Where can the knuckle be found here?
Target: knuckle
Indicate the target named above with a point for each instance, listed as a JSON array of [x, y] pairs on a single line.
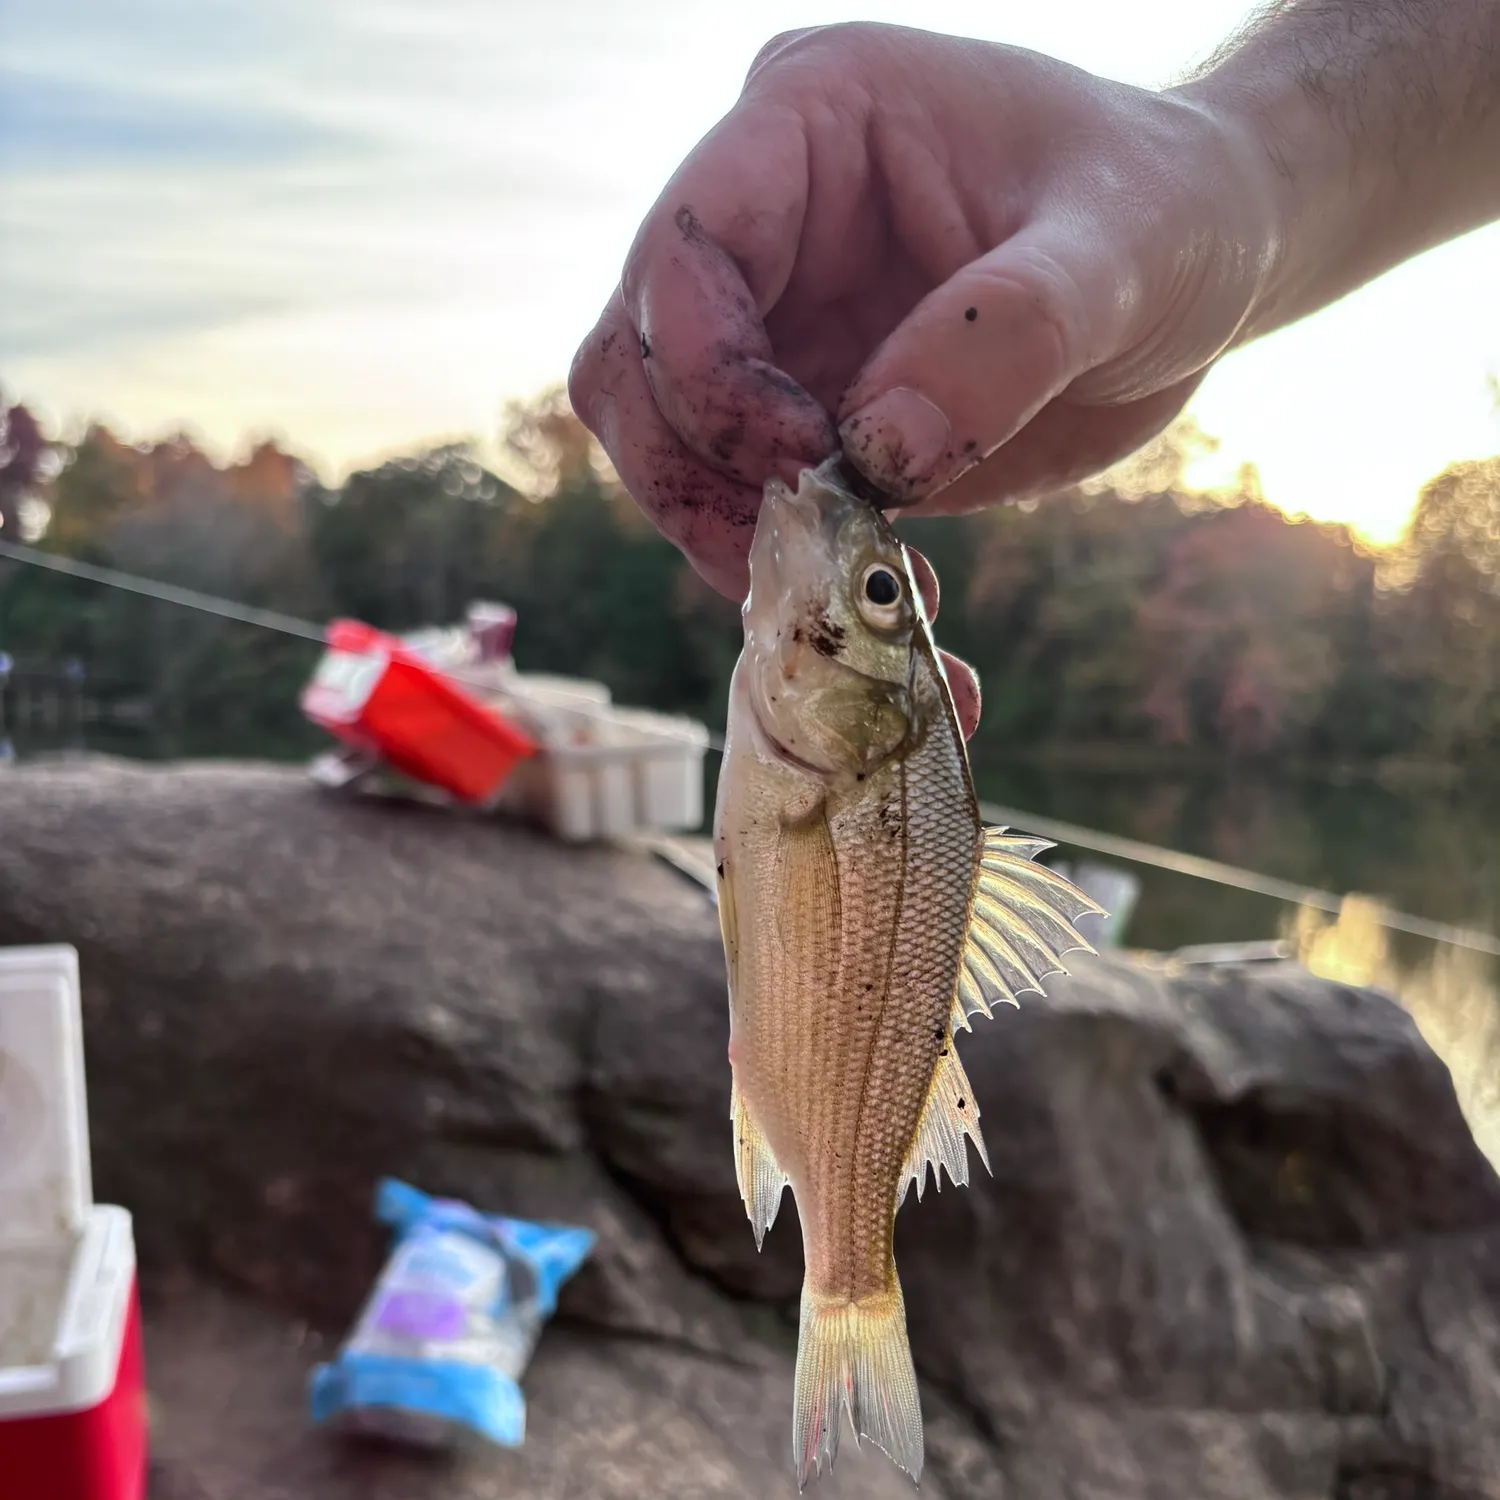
[[639, 259], [583, 380], [1054, 301], [838, 39], [779, 46], [596, 368]]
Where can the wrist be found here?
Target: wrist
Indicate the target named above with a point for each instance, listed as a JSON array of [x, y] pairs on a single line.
[[1307, 192], [1378, 135]]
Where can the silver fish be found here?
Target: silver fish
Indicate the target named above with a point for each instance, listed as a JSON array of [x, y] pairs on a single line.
[[867, 913]]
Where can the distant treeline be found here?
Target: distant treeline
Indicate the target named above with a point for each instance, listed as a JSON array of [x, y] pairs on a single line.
[[1137, 613]]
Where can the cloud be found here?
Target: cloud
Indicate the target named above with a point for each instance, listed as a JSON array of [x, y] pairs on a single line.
[[360, 221], [50, 124]]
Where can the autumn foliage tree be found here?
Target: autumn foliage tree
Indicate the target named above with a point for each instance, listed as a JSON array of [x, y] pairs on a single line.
[[1132, 612], [23, 450], [166, 511], [1442, 640], [1242, 635]]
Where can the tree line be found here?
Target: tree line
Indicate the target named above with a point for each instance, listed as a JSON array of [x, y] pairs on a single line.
[[1131, 614]]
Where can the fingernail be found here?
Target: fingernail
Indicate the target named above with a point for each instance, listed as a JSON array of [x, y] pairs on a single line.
[[898, 439]]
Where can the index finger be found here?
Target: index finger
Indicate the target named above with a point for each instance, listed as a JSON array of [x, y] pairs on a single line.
[[712, 258]]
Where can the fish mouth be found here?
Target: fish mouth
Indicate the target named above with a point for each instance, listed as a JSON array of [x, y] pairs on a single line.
[[840, 470]]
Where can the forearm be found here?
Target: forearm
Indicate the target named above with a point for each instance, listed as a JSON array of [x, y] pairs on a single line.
[[1380, 120]]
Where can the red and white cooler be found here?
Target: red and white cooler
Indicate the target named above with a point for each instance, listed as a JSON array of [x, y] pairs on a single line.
[[72, 1387]]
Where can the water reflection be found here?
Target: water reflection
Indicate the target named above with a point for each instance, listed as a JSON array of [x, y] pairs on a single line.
[[1453, 995]]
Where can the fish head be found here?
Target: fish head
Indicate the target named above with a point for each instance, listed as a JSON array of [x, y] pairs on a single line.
[[831, 624]]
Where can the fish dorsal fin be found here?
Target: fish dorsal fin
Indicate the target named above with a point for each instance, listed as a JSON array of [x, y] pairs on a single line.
[[949, 1115], [1020, 924], [760, 1176]]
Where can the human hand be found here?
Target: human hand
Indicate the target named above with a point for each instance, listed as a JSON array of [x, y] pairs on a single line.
[[985, 273]]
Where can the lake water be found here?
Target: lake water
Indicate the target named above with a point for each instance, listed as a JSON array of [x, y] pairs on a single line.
[[1432, 853]]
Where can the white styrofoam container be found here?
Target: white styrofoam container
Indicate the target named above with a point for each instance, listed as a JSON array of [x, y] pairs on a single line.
[[668, 768], [639, 772], [604, 772], [67, 1265], [537, 695]]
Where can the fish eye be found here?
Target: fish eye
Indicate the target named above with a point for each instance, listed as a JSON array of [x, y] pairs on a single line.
[[881, 594], [881, 586]]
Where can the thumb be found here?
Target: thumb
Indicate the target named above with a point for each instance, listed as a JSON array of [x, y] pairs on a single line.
[[975, 360]]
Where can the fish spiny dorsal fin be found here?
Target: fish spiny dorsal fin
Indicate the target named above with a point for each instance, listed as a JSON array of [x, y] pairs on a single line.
[[949, 1115], [1012, 857], [1021, 921], [760, 1177]]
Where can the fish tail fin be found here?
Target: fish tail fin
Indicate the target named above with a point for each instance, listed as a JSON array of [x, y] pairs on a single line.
[[855, 1356]]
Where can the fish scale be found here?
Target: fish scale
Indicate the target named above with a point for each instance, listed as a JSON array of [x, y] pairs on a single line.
[[866, 914]]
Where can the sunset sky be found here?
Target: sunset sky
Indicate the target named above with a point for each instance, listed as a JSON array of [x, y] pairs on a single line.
[[359, 224]]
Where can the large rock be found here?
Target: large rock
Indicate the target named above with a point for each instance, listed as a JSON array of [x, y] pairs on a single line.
[[1238, 1244], [607, 1417]]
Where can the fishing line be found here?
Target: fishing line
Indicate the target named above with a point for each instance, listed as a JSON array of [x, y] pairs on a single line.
[[1113, 845], [1195, 865], [267, 619]]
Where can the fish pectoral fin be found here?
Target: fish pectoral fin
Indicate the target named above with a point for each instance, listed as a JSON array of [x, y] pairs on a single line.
[[854, 1356], [1020, 924], [949, 1115], [760, 1176], [729, 924]]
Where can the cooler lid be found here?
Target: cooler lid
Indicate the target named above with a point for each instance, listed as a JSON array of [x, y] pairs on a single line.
[[46, 1185]]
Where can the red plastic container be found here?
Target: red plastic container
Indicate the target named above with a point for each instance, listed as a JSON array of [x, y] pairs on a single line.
[[373, 694], [93, 1445], [73, 1422]]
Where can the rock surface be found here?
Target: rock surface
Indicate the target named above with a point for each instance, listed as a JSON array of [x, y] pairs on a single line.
[[606, 1417], [1238, 1244]]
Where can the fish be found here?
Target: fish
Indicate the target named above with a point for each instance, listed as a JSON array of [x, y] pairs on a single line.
[[867, 914]]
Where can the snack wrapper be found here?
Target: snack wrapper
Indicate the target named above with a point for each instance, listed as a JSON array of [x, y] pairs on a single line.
[[438, 1351]]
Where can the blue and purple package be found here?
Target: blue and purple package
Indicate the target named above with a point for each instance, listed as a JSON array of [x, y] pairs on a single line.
[[440, 1346]]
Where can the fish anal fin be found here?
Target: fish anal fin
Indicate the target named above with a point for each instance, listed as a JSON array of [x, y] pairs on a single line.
[[760, 1177], [854, 1356], [949, 1116]]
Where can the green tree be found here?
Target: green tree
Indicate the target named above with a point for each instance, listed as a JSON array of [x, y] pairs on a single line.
[[1442, 642], [411, 542], [599, 591]]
